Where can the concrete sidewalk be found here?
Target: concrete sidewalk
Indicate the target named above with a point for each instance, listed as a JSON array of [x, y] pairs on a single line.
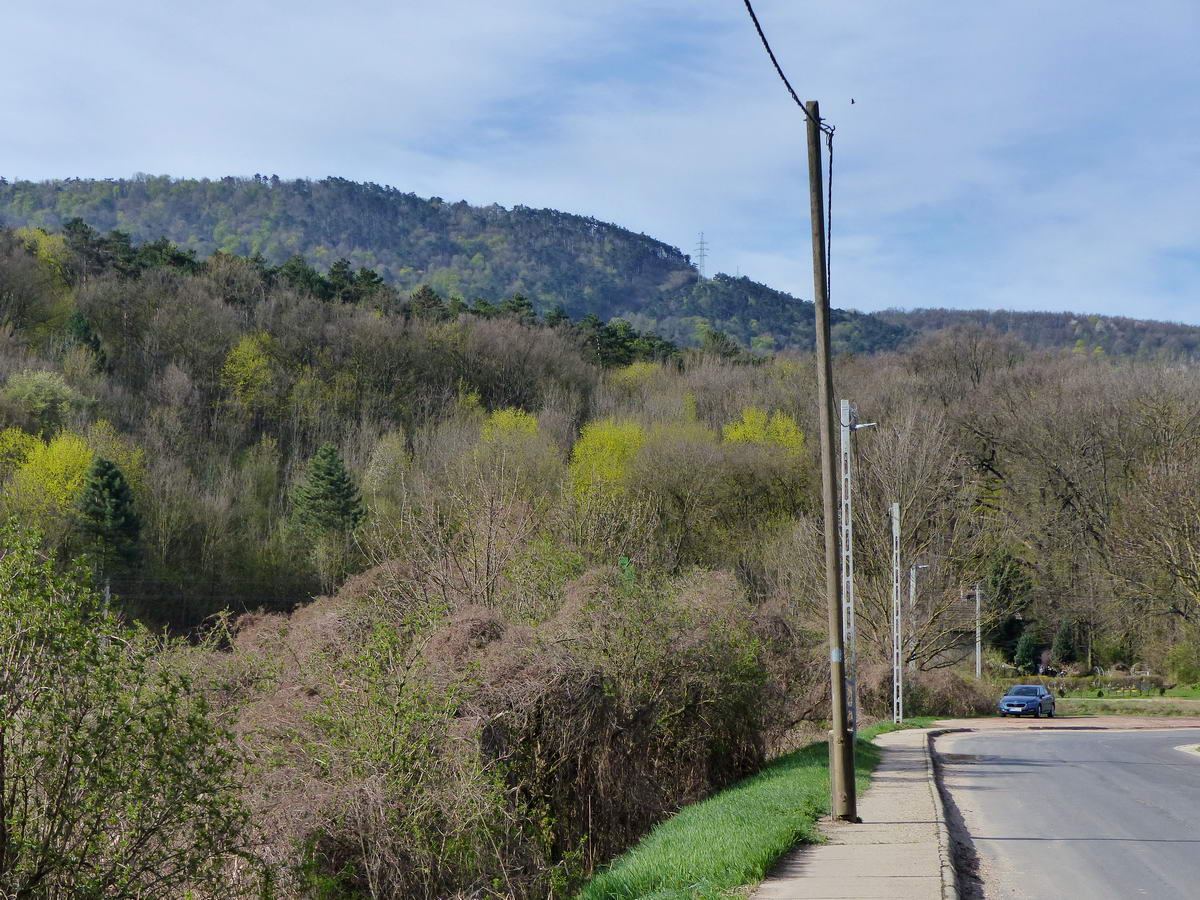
[[900, 851]]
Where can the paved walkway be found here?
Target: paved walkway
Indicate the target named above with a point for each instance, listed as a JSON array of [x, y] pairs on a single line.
[[899, 852]]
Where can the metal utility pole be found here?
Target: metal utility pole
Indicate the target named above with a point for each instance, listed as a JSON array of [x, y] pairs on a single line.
[[850, 424], [841, 746], [912, 603], [897, 668], [701, 255], [978, 637]]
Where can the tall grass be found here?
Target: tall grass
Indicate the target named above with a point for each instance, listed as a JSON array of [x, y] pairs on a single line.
[[734, 837]]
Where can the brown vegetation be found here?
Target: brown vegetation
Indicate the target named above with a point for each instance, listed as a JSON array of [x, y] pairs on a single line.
[[582, 594]]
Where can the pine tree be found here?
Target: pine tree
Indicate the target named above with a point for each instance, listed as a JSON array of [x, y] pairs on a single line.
[[1063, 649], [426, 303], [327, 500], [107, 514], [1025, 659]]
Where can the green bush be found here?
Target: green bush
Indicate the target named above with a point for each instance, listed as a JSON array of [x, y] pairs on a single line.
[[41, 401], [1183, 661], [115, 779]]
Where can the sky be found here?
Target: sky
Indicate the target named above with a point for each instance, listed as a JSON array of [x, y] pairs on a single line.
[[1030, 155]]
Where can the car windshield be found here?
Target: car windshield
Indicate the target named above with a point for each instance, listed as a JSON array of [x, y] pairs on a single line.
[[1023, 692]]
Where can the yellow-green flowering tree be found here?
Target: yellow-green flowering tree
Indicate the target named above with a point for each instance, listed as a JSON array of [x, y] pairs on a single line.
[[247, 373], [758, 427], [602, 458]]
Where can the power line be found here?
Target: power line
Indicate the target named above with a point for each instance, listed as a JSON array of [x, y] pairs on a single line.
[[828, 129], [829, 215], [825, 127]]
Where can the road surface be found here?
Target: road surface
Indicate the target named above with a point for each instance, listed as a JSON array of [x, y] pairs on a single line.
[[1079, 813]]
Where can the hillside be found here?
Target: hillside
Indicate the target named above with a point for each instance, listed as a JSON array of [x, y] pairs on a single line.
[[496, 573], [554, 258], [1112, 335]]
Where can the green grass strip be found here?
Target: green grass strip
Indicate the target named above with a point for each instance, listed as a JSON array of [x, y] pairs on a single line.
[[712, 848], [1082, 706]]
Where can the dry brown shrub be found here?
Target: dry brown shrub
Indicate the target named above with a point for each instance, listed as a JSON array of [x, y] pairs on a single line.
[[630, 702], [523, 755], [940, 692]]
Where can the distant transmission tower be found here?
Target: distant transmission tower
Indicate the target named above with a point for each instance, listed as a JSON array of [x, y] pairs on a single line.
[[701, 254]]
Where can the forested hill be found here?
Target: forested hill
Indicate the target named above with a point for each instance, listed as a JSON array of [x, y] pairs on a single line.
[[551, 257], [1111, 335]]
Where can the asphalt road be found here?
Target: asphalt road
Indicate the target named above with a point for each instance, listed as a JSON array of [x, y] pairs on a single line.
[[1079, 813]]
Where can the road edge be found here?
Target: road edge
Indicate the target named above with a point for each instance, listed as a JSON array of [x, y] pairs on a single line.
[[945, 853]]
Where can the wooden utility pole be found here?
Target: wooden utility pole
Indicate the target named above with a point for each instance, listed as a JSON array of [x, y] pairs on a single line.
[[841, 746]]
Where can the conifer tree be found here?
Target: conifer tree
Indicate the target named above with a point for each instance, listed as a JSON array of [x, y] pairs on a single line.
[[1025, 659], [327, 500], [1064, 643], [107, 514]]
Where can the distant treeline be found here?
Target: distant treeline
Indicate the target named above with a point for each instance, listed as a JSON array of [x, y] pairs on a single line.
[[1115, 335], [460, 251]]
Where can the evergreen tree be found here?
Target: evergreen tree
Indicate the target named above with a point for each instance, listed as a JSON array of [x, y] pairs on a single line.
[[426, 303], [107, 514], [1063, 649], [519, 307], [341, 281], [556, 316], [327, 500], [300, 276], [1025, 659]]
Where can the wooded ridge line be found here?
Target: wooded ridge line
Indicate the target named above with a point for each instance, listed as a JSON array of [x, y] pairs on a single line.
[[555, 259]]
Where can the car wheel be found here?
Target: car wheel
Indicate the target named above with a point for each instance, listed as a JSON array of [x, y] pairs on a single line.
[[1037, 713], [1050, 714]]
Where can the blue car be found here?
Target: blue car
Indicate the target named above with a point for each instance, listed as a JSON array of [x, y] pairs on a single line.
[[1027, 698]]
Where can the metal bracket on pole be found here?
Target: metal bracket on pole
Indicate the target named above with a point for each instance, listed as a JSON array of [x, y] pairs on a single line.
[[978, 637], [849, 417], [912, 606], [850, 424], [897, 669]]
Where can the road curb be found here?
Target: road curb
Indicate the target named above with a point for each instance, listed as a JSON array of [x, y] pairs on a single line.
[[950, 886]]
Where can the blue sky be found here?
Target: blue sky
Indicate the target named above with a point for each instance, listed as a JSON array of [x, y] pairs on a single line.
[[1029, 155]]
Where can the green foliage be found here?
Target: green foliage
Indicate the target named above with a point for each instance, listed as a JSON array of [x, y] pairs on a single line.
[[491, 253], [393, 762], [1026, 656], [327, 501], [634, 377], [426, 303], [711, 849], [107, 514], [42, 401], [756, 427], [52, 474], [1063, 649], [15, 447], [1183, 660], [114, 777], [506, 423], [601, 459], [247, 372]]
